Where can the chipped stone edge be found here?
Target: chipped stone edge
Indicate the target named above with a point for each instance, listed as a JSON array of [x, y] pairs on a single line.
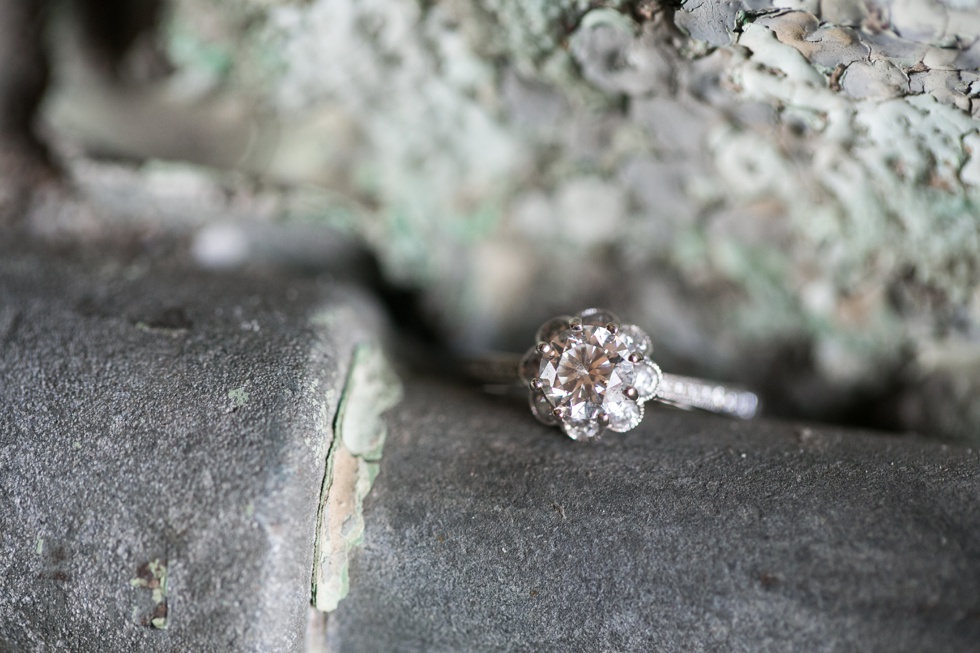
[[352, 465]]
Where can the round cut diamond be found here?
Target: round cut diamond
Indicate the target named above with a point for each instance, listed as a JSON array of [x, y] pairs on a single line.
[[579, 377], [542, 409], [552, 328], [623, 413], [646, 379], [583, 371], [584, 429], [597, 316], [636, 340]]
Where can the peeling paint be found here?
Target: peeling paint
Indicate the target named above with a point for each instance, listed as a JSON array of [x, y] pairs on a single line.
[[351, 467]]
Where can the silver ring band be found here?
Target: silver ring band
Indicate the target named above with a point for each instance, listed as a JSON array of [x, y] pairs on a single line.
[[686, 392]]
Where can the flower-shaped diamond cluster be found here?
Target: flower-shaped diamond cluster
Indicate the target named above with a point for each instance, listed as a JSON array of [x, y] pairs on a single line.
[[589, 372]]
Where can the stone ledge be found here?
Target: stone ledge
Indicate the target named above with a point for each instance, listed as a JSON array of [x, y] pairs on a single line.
[[488, 532], [163, 437]]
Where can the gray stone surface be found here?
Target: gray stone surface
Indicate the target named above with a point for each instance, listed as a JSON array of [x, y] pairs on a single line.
[[163, 436], [488, 532]]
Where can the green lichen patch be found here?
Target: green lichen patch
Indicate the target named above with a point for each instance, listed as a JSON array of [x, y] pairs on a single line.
[[238, 396]]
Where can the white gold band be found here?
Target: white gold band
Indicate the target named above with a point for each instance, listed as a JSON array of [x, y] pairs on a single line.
[[681, 391]]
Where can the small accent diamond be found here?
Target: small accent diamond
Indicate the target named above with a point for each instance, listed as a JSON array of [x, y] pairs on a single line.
[[636, 340], [624, 414], [646, 379], [585, 429]]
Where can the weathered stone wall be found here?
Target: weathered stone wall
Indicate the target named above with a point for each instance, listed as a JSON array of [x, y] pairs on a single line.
[[783, 194]]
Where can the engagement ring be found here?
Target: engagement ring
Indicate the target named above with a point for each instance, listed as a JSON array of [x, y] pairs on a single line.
[[589, 372]]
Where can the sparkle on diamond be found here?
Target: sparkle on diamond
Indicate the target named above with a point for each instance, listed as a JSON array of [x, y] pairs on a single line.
[[592, 362]]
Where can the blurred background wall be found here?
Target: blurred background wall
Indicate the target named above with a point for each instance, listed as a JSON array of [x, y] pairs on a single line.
[[784, 193]]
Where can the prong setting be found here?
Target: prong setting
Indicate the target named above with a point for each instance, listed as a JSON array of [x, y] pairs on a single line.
[[541, 409], [585, 373], [598, 316]]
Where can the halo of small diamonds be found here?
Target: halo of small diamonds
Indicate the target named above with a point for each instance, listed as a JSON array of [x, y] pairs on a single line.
[[588, 372]]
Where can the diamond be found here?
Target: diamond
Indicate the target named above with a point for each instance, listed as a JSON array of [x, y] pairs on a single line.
[[584, 377], [646, 379], [552, 328], [637, 342], [592, 363], [543, 410], [624, 414], [586, 429], [529, 365]]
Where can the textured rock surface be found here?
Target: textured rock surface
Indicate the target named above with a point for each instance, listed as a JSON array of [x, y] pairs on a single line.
[[488, 532], [754, 182], [163, 440]]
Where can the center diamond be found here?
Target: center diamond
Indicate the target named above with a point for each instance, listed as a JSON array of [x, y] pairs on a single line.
[[590, 371]]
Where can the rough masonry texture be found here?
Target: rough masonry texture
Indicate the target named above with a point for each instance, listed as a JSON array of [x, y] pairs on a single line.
[[784, 191], [784, 196], [488, 532], [163, 443]]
